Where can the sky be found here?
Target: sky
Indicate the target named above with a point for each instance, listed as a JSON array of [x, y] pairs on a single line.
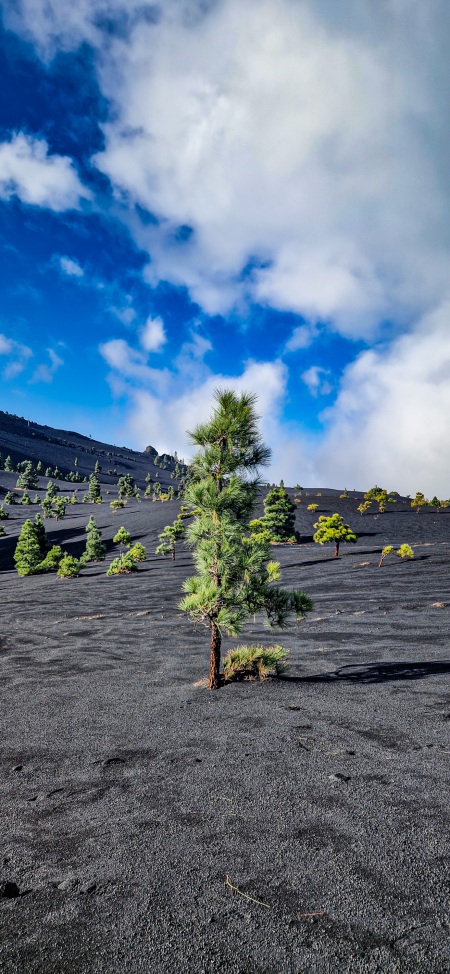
[[232, 193]]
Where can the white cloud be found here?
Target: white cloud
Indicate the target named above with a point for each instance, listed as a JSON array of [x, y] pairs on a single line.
[[390, 422], [17, 354], [315, 381], [302, 337], [46, 373], [71, 267], [37, 178], [153, 336]]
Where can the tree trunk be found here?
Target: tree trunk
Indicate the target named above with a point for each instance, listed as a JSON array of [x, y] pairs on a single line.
[[336, 550], [214, 657]]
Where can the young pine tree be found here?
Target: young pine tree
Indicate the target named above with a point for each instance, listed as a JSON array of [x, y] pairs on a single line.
[[28, 477], [95, 549], [169, 537], [235, 576], [27, 554], [279, 516], [333, 529], [93, 493]]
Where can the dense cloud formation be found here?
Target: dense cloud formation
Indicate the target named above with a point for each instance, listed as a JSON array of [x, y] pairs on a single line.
[[302, 142]]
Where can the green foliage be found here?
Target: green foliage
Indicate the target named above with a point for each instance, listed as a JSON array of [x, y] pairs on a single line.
[[137, 552], [58, 508], [333, 529], [52, 490], [28, 478], [2, 531], [122, 566], [435, 502], [404, 551], [363, 507], [69, 567], [127, 486], [254, 662], [419, 501], [47, 507], [122, 538], [52, 559], [117, 506], [169, 537], [25, 499], [4, 515], [278, 519], [27, 554], [97, 468], [8, 465], [312, 507], [93, 493], [9, 498], [40, 534], [95, 549], [235, 577], [48, 472]]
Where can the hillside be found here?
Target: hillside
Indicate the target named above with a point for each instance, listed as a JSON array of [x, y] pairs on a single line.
[[129, 793]]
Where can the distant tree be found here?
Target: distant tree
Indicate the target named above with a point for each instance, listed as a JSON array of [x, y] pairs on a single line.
[[52, 559], [48, 472], [27, 554], [435, 502], [4, 515], [28, 478], [95, 549], [75, 462], [8, 465], [169, 537], [148, 479], [73, 498], [58, 508], [97, 468], [156, 490], [127, 486], [312, 507], [137, 552], [333, 529], [404, 551], [39, 467], [40, 535], [344, 495], [52, 490], [26, 498], [2, 531], [57, 474], [93, 493], [47, 506], [69, 567], [9, 498], [363, 507], [116, 506], [148, 491], [278, 520], [125, 563], [419, 501], [36, 499]]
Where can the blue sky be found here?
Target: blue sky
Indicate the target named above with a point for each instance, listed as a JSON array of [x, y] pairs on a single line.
[[245, 192]]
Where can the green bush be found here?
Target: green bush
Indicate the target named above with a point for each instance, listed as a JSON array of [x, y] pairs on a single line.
[[122, 566], [254, 662], [137, 552], [69, 567], [52, 560]]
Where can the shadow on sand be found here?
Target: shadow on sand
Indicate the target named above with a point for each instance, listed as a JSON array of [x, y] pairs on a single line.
[[376, 672]]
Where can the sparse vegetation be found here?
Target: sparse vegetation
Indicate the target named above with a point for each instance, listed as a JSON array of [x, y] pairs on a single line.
[[333, 529], [254, 662]]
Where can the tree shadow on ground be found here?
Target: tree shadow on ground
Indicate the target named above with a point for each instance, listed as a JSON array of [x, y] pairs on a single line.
[[376, 672]]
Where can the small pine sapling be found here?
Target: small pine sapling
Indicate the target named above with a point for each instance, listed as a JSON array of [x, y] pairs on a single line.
[[333, 529], [404, 551], [419, 501], [254, 662], [4, 515], [137, 552], [312, 507], [27, 554], [69, 567], [117, 506], [95, 549], [9, 497], [169, 537]]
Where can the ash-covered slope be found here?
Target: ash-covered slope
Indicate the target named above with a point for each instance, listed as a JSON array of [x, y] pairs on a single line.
[[22, 439]]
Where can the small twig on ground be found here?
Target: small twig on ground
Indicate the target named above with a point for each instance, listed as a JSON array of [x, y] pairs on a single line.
[[246, 897], [318, 913]]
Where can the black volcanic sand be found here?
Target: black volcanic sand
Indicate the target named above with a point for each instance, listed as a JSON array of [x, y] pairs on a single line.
[[129, 794]]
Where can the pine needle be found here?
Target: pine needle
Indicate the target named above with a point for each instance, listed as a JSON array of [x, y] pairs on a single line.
[[246, 897]]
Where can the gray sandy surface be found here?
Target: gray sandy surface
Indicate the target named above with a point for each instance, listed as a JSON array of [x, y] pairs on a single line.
[[129, 794]]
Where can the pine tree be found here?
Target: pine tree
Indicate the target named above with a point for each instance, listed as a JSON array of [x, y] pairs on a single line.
[[52, 490], [27, 554], [58, 508], [41, 535], [234, 573], [8, 465], [28, 478], [127, 486], [26, 498], [93, 493], [278, 519], [169, 537], [9, 497], [95, 549], [97, 468], [39, 467], [333, 529], [4, 515]]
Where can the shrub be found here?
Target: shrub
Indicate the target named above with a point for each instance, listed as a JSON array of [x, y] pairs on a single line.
[[4, 515], [2, 531], [123, 565], [27, 554], [333, 529], [278, 519], [254, 662], [69, 567], [9, 498], [312, 507], [137, 552], [404, 551], [52, 559]]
